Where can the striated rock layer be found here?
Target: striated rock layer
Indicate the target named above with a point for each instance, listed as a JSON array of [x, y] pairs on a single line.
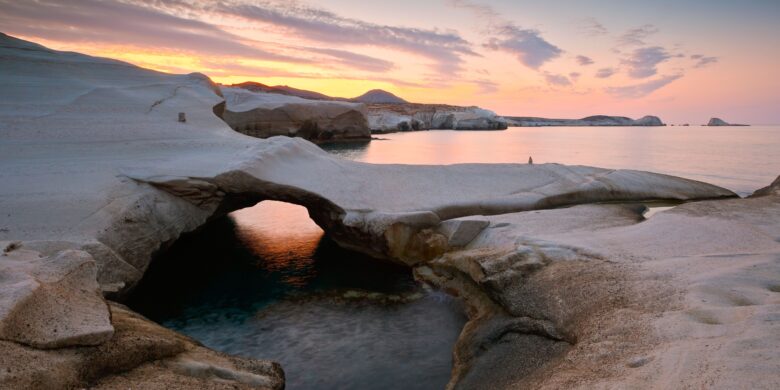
[[394, 117], [264, 115], [99, 176]]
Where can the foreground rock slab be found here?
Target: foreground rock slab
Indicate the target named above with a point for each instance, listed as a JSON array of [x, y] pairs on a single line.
[[53, 301], [140, 354], [595, 296]]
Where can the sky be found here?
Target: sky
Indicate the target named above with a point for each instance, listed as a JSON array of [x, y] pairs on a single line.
[[683, 60]]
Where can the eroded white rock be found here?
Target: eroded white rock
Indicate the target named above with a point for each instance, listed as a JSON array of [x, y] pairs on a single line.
[[52, 302]]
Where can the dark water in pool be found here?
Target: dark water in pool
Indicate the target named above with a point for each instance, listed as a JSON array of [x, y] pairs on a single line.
[[265, 283]]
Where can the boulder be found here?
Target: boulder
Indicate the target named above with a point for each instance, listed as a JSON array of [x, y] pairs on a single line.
[[52, 302], [771, 189]]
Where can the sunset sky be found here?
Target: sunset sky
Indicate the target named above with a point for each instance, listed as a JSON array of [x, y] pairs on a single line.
[[683, 60]]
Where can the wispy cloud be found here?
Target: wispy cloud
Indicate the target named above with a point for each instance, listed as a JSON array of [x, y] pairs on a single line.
[[444, 48], [637, 36], [355, 60], [527, 45], [643, 62], [605, 73], [93, 21], [702, 60], [592, 27], [556, 79], [486, 86], [642, 89], [584, 60], [574, 76]]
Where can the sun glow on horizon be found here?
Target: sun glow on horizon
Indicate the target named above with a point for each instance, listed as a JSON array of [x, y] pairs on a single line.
[[515, 61]]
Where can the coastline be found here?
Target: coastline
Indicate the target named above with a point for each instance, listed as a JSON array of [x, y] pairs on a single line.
[[531, 274]]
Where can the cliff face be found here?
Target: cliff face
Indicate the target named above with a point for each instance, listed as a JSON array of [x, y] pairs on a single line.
[[596, 120], [388, 118], [264, 115]]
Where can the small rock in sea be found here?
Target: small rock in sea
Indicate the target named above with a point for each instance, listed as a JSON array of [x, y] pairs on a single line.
[[530, 160], [182, 117], [639, 361]]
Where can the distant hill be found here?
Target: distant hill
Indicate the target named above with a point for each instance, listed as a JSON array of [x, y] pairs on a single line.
[[283, 90], [379, 96], [595, 120], [374, 96]]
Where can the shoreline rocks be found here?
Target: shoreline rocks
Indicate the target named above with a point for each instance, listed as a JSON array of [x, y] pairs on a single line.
[[596, 120]]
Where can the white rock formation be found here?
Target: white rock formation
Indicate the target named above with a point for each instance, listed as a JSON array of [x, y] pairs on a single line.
[[101, 165], [691, 293], [53, 301], [264, 115], [388, 118]]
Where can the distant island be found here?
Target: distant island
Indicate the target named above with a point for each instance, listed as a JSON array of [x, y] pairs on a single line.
[[721, 122], [596, 120]]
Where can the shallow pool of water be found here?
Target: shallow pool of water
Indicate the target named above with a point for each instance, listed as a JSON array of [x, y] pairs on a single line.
[[265, 283]]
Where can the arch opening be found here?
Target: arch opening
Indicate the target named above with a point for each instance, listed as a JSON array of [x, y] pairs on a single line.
[[267, 282]]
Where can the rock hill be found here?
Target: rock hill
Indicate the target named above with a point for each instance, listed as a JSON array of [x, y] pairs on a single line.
[[596, 120], [721, 122], [379, 96]]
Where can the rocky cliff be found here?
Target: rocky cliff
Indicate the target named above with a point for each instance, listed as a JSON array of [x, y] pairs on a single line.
[[263, 115], [388, 118], [596, 120]]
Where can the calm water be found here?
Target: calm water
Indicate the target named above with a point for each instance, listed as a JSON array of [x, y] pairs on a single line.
[[742, 159], [265, 283]]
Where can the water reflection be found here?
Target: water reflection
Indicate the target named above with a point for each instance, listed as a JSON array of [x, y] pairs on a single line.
[[266, 283], [742, 159]]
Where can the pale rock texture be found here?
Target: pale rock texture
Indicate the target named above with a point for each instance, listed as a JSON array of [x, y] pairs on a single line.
[[53, 301], [594, 296], [393, 117], [585, 296], [140, 355], [263, 115]]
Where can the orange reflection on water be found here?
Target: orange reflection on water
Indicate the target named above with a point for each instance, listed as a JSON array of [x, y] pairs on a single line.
[[283, 236]]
